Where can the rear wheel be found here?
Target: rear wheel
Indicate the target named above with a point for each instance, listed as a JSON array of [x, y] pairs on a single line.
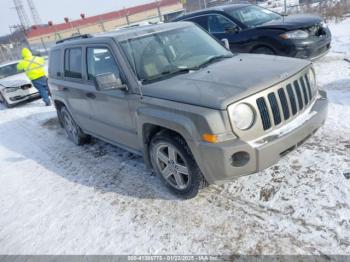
[[174, 163], [73, 131], [263, 50]]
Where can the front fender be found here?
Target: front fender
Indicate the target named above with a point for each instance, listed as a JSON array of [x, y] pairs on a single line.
[[173, 121], [189, 121]]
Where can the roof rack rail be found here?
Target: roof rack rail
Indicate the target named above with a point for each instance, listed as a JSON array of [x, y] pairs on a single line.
[[74, 38]]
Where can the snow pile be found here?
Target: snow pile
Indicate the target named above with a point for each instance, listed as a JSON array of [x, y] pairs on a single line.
[[57, 198]]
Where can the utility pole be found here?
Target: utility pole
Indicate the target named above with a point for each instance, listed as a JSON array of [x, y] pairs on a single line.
[[3, 57], [285, 7], [43, 44], [34, 12], [102, 24], [126, 16], [159, 12]]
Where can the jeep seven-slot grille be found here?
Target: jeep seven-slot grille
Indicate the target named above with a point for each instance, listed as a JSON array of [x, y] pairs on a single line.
[[286, 102], [264, 113]]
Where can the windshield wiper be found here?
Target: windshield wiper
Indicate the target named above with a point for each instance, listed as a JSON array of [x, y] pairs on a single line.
[[213, 59], [167, 74]]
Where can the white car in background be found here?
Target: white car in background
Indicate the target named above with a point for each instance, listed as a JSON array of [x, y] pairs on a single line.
[[14, 86]]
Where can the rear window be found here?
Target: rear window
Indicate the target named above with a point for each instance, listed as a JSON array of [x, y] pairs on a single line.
[[55, 63], [73, 63]]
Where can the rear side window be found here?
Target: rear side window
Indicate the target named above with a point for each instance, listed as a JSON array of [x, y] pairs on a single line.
[[55, 63], [100, 61], [202, 21], [73, 63], [219, 24]]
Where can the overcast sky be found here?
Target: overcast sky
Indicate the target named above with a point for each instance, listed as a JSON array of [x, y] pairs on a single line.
[[56, 10]]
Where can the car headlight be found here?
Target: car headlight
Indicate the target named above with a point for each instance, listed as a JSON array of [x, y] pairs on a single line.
[[312, 79], [296, 34], [242, 116], [11, 89]]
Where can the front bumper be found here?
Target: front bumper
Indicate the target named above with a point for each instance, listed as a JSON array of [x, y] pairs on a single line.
[[312, 51], [312, 48], [21, 98], [217, 159]]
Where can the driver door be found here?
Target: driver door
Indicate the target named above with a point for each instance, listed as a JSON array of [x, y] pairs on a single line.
[[110, 108]]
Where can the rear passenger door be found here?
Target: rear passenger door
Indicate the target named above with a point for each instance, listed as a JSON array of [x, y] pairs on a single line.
[[110, 108], [74, 87]]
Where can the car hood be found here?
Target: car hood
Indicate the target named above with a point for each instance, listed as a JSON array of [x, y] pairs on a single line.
[[225, 82], [13, 81], [292, 22]]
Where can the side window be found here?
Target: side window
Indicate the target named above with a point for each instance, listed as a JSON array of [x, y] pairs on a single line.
[[72, 63], [202, 21], [100, 61], [219, 24], [55, 63]]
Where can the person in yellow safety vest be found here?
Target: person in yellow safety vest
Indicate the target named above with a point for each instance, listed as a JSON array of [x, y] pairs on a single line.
[[33, 66]]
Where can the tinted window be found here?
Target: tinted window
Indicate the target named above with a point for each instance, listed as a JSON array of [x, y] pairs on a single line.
[[72, 63], [202, 21], [55, 63], [100, 61], [219, 24]]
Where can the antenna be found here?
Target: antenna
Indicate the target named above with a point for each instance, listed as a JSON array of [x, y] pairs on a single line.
[[22, 15], [34, 12]]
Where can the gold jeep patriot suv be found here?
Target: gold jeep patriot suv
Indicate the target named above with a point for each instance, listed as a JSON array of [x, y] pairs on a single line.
[[195, 111]]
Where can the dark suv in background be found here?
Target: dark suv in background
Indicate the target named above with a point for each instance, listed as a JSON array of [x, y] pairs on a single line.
[[252, 29]]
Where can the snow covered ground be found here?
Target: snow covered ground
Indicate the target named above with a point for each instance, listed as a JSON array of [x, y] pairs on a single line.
[[56, 198]]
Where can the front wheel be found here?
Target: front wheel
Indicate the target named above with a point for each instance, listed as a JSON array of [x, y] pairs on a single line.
[[73, 131], [173, 162]]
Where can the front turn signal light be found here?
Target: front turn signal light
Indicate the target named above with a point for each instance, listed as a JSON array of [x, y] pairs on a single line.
[[210, 138]]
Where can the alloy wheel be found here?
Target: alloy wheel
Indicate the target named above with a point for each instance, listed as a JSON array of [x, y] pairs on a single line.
[[172, 166], [70, 126]]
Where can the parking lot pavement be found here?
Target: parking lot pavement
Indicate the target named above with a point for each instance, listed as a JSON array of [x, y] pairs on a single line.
[[57, 198]]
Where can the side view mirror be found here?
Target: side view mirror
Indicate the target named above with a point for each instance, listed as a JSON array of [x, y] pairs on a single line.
[[226, 43], [108, 81], [231, 29]]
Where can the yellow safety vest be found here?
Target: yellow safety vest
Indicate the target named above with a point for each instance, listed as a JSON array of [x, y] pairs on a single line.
[[33, 66]]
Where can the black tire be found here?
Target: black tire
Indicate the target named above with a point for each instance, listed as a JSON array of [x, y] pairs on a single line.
[[73, 131], [5, 101], [263, 50], [195, 180]]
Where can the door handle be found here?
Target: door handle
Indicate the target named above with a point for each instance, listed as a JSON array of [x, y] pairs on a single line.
[[65, 89], [91, 95]]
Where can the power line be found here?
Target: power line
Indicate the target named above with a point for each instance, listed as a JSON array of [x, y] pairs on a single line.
[[22, 15], [34, 12]]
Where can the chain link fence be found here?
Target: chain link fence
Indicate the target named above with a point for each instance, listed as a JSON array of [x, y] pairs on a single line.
[[329, 9]]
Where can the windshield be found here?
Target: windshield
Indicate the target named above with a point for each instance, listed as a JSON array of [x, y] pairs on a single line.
[[8, 70], [164, 54], [252, 15]]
